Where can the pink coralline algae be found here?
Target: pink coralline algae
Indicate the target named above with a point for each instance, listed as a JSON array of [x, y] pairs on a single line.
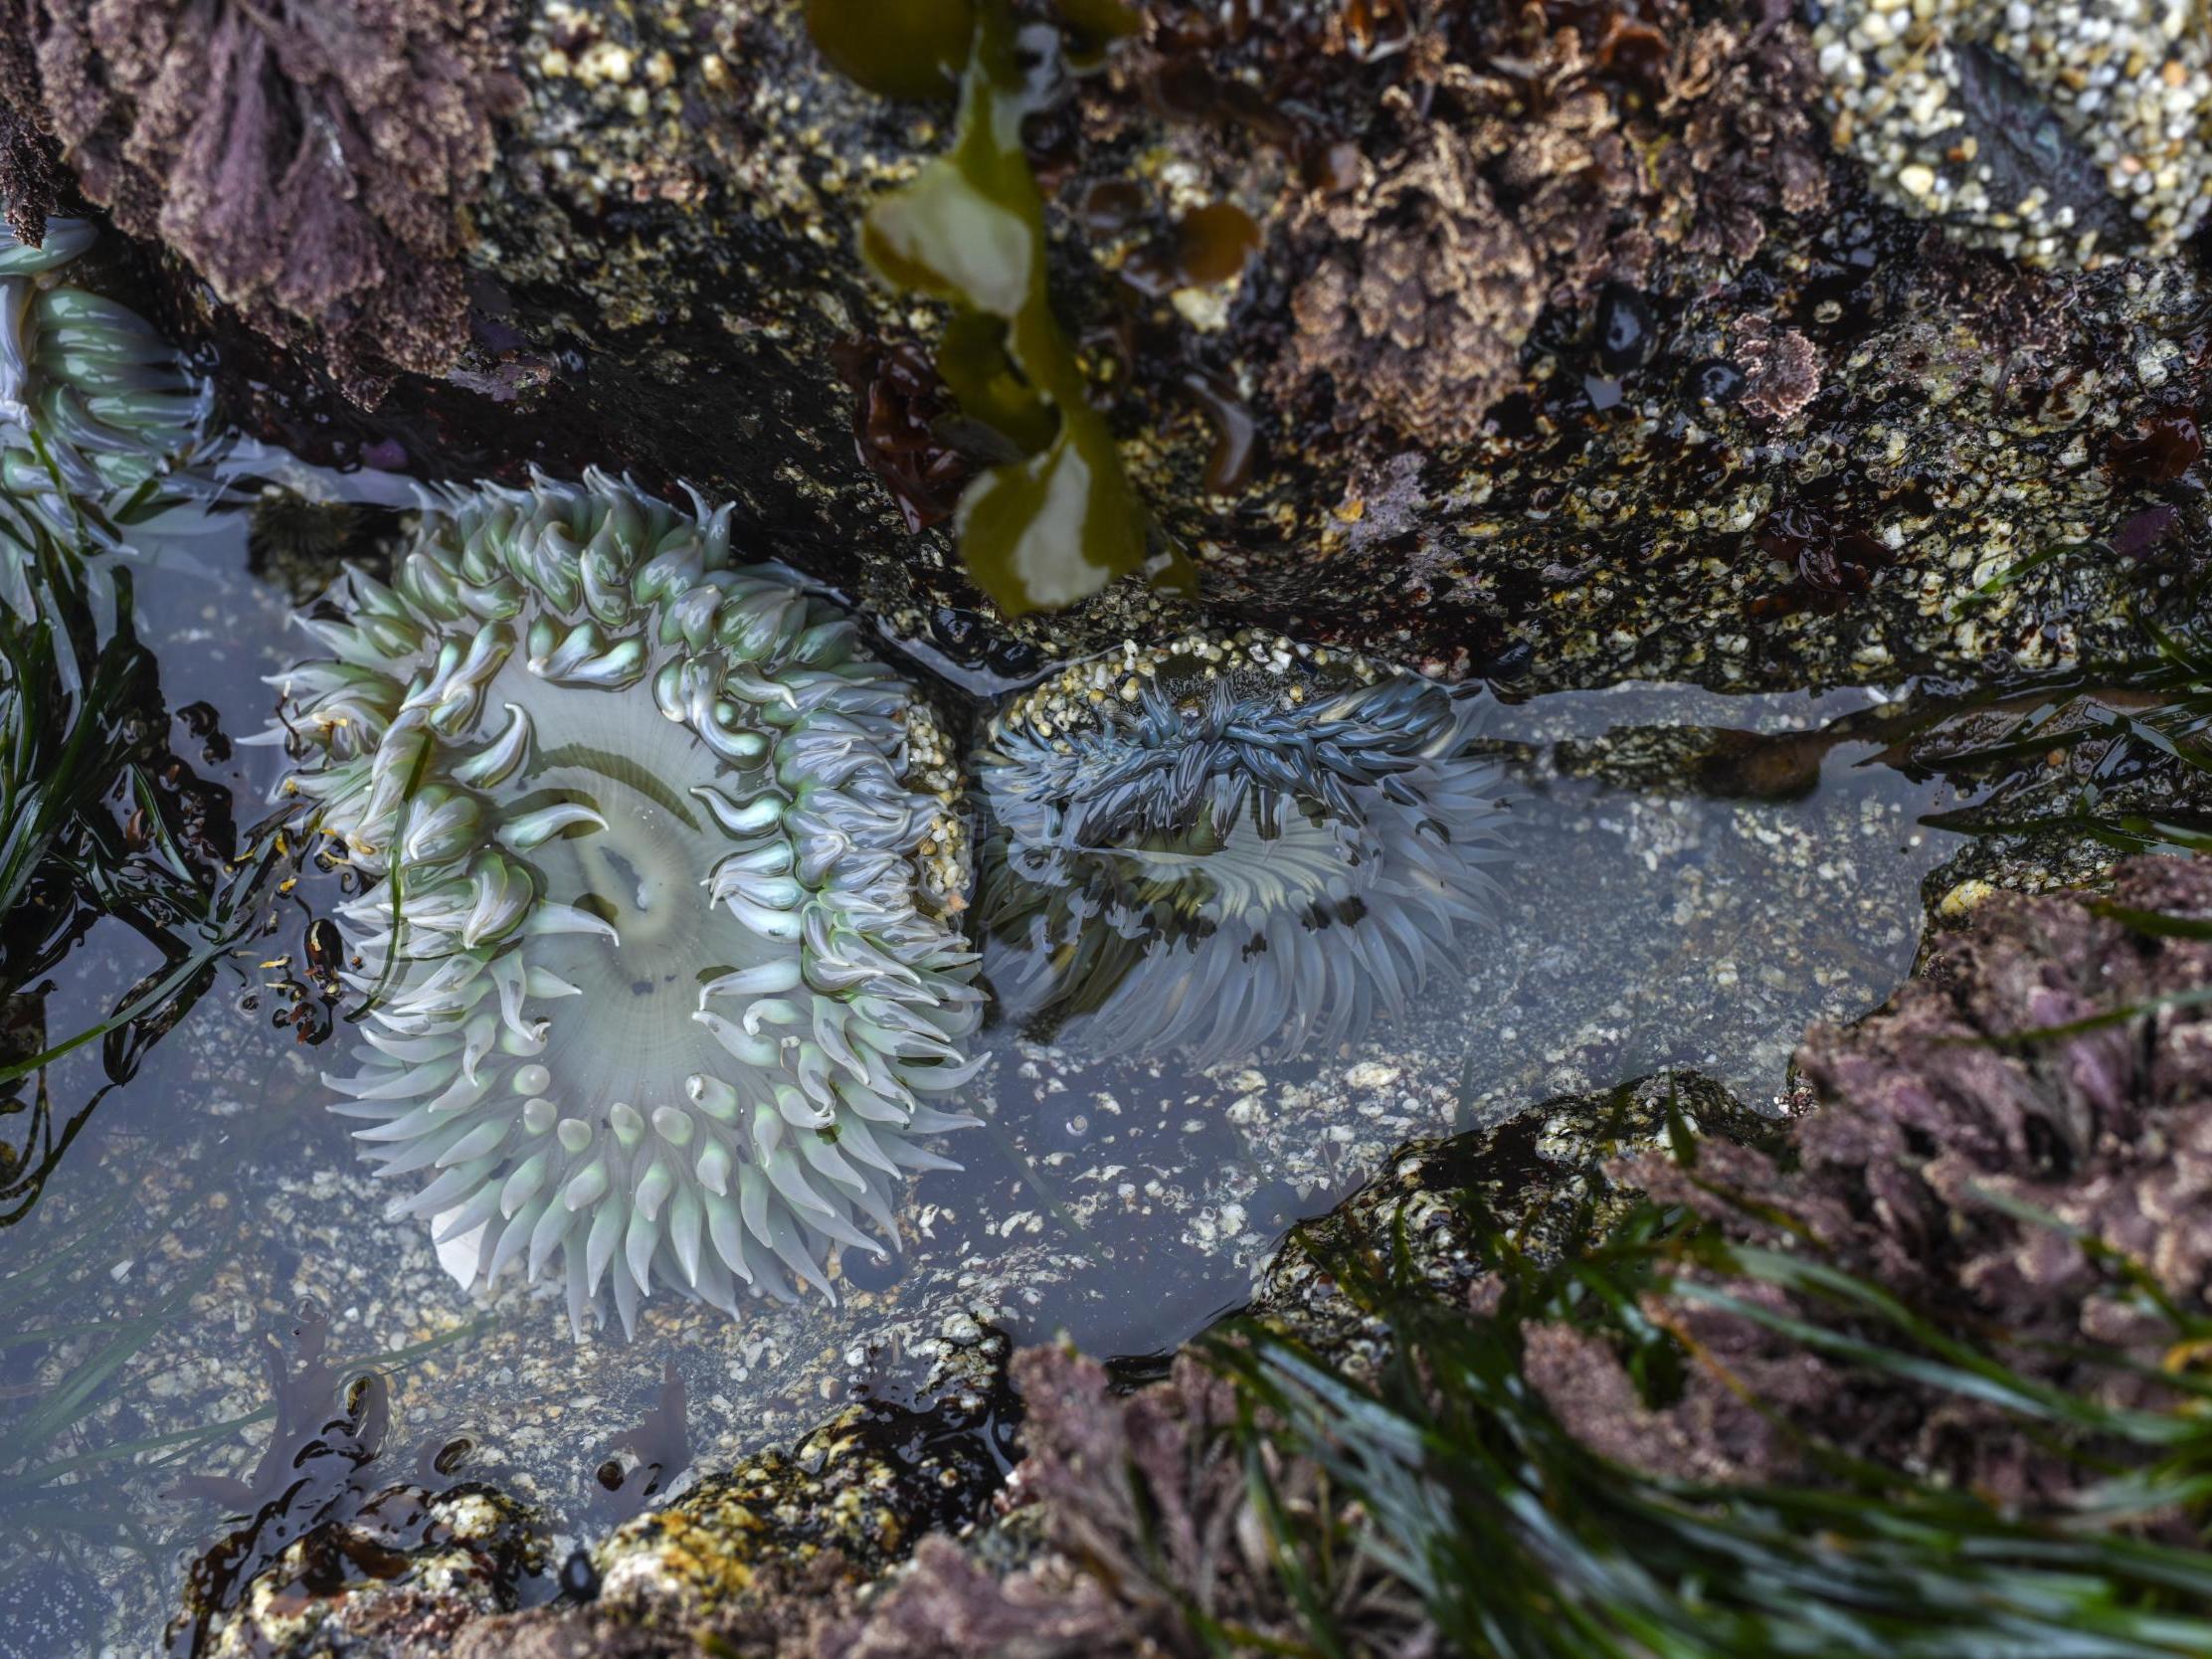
[[311, 161]]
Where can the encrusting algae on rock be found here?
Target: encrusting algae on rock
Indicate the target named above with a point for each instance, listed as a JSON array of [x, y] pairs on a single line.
[[569, 712], [311, 163]]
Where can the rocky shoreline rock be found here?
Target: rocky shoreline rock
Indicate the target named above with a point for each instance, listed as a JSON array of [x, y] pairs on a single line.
[[1555, 344], [1400, 347]]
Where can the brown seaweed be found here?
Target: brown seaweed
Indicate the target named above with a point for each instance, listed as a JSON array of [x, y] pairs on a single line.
[[1063, 519]]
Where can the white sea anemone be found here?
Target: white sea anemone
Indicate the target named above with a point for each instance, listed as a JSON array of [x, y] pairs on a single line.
[[653, 910], [1237, 847]]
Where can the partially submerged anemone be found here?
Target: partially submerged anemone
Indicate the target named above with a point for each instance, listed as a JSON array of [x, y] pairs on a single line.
[[652, 919], [93, 404], [1233, 846]]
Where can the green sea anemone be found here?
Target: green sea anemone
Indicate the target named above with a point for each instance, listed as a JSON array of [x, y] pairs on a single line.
[[656, 864], [93, 404], [1232, 847]]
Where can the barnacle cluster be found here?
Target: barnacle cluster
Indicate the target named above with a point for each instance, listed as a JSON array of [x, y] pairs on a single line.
[[655, 869], [93, 404], [2059, 132], [1230, 845]]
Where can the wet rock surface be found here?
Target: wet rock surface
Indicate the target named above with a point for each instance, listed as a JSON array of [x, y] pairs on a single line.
[[2057, 135], [1732, 418], [1547, 1172], [863, 1487], [401, 1578]]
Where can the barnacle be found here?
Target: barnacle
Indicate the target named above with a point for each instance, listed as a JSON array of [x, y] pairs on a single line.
[[1231, 846], [93, 404], [2056, 131], [653, 916]]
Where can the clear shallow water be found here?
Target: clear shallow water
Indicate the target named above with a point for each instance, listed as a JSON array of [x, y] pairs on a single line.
[[1645, 922]]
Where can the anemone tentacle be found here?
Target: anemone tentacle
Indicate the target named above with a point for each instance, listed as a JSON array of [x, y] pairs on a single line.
[[1233, 846], [93, 404], [656, 887]]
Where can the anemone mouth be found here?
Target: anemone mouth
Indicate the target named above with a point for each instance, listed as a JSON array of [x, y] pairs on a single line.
[[640, 871], [659, 947], [1236, 848]]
